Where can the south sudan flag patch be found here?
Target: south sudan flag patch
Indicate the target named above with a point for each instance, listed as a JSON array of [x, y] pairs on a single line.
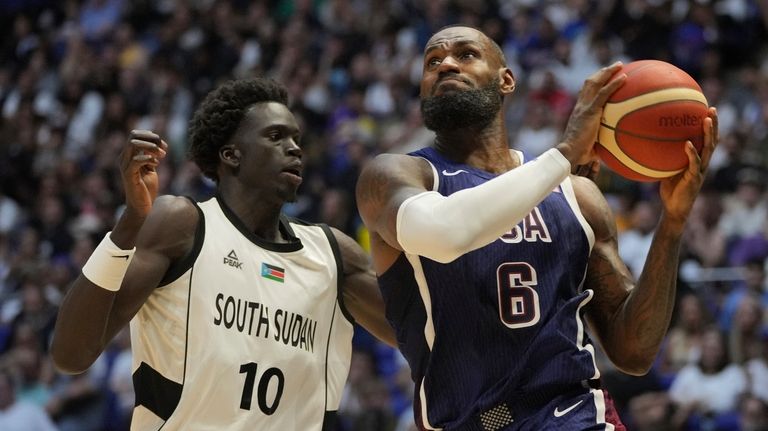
[[272, 272]]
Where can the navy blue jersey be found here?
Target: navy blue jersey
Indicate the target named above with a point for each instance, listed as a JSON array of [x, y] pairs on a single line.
[[498, 333]]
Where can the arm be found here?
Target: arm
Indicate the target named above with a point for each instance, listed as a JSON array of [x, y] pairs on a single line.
[[395, 204], [631, 320], [91, 315], [360, 290]]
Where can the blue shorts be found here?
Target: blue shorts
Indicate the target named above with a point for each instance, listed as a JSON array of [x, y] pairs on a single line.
[[585, 409]]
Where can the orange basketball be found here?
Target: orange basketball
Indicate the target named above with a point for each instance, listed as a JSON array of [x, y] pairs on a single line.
[[647, 121]]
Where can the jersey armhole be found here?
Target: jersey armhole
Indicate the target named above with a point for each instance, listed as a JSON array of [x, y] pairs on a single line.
[[178, 268], [339, 271]]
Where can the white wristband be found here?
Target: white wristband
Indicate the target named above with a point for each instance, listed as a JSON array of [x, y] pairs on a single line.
[[107, 265]]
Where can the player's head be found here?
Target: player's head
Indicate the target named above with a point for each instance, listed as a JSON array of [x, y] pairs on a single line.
[[221, 113], [464, 80]]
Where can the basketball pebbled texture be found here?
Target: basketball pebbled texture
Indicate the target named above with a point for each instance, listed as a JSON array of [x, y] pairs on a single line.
[[647, 121]]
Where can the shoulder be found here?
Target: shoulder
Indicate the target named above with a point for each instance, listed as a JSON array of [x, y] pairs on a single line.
[[394, 166], [174, 214], [174, 205], [171, 225], [386, 177]]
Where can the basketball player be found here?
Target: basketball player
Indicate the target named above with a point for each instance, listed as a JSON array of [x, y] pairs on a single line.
[[488, 263], [236, 319]]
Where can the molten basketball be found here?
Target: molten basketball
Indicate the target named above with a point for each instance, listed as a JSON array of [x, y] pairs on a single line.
[[646, 122]]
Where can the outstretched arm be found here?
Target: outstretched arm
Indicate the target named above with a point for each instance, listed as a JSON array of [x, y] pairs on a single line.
[[631, 319], [91, 314], [361, 294]]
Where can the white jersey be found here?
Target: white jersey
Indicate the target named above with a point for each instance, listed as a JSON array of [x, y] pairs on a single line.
[[243, 334]]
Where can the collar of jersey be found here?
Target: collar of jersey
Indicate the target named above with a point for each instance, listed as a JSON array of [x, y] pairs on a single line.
[[293, 244]]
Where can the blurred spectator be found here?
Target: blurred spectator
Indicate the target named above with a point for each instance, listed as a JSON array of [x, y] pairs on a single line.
[[651, 411], [375, 413], [692, 36], [704, 241], [10, 214], [746, 211], [753, 284], [753, 414], [19, 415], [635, 242], [78, 402], [706, 393], [538, 132], [683, 343]]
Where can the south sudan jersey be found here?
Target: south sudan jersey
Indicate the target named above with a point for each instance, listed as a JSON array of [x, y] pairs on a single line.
[[497, 334], [244, 334]]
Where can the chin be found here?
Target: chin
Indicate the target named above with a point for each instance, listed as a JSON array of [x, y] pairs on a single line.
[[289, 196]]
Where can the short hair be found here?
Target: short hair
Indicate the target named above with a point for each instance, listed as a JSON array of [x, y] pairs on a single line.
[[495, 46], [220, 114]]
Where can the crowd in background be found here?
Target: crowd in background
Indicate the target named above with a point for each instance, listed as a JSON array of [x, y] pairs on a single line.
[[77, 75]]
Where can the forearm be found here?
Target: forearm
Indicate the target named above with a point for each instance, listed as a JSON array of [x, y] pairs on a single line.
[[79, 334], [82, 327], [372, 319], [363, 300], [647, 311], [443, 228]]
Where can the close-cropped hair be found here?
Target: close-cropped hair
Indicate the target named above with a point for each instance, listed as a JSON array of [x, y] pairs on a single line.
[[220, 114]]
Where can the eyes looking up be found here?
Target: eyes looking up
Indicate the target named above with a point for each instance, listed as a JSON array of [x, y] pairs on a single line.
[[464, 56]]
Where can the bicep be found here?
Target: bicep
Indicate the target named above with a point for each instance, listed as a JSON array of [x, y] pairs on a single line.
[[385, 183], [360, 290], [166, 236]]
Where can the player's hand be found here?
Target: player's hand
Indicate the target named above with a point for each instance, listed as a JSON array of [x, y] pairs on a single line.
[[591, 170], [584, 123], [678, 193], [138, 167]]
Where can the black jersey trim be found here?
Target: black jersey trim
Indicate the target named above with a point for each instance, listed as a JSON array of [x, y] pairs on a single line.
[[178, 268], [327, 349], [330, 421], [339, 270], [154, 391], [293, 244]]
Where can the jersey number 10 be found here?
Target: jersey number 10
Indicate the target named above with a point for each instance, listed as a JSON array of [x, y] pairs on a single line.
[[266, 406]]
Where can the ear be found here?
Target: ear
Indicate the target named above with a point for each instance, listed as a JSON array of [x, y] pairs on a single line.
[[229, 155], [507, 81]]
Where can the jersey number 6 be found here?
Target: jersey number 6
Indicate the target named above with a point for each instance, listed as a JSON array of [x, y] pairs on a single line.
[[266, 407], [518, 300]]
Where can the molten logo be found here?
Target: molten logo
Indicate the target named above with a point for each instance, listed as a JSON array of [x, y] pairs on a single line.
[[680, 120]]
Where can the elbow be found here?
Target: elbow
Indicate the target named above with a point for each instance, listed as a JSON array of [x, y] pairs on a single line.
[[66, 365], [634, 365], [442, 248], [69, 360], [447, 254]]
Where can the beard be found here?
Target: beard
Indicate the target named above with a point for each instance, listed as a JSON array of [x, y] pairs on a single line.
[[461, 109]]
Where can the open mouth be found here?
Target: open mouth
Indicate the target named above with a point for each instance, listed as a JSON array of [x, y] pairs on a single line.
[[293, 171]]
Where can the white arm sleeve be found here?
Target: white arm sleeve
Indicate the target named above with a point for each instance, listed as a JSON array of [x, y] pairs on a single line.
[[442, 228]]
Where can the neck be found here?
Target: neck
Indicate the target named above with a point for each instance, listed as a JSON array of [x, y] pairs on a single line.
[[259, 213], [483, 148]]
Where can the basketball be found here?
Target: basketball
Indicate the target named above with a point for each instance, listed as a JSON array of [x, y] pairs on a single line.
[[647, 121]]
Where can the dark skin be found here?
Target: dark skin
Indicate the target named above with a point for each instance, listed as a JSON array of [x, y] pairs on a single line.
[[463, 58], [259, 170]]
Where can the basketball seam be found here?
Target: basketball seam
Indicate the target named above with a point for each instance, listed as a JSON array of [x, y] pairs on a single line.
[[635, 135]]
